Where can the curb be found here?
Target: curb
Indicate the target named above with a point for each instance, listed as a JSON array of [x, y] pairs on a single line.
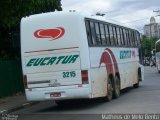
[[17, 107]]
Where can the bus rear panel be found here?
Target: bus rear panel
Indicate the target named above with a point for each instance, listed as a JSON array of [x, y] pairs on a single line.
[[53, 59]]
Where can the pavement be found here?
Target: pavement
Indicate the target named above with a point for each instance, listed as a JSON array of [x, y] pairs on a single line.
[[12, 103]]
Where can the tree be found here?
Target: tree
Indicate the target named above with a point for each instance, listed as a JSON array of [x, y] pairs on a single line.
[[11, 12], [148, 44]]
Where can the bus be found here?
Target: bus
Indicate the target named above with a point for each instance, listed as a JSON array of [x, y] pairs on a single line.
[[157, 47], [68, 56]]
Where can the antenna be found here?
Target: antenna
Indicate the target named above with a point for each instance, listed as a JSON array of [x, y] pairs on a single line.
[[72, 10]]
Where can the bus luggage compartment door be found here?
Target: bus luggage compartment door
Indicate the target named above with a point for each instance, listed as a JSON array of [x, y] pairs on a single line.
[[53, 69]]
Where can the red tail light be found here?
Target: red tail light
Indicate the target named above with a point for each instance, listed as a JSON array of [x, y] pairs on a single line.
[[25, 81], [84, 74]]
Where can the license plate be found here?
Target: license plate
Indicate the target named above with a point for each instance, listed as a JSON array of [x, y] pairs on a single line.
[[55, 94]]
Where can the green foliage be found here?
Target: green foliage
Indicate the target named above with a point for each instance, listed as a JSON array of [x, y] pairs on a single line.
[[11, 11], [148, 44]]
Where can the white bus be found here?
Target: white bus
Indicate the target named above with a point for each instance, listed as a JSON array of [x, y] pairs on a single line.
[[157, 46], [73, 56]]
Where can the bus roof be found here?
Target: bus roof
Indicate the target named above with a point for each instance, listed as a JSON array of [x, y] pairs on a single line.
[[78, 14]]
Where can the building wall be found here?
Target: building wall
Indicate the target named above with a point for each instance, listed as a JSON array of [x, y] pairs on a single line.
[[152, 29]]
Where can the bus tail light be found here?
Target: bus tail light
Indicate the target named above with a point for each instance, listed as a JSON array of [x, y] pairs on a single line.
[[25, 81], [84, 74]]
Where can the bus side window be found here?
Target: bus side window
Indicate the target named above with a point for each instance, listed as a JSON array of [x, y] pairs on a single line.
[[118, 36], [128, 37], [122, 38], [115, 36], [103, 37], [107, 35], [93, 33], [133, 38], [98, 37], [125, 37], [136, 38], [88, 32], [111, 35]]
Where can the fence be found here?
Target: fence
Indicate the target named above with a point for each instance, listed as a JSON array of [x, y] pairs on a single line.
[[10, 77]]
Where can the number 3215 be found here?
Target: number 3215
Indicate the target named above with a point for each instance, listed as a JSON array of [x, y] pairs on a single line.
[[69, 74]]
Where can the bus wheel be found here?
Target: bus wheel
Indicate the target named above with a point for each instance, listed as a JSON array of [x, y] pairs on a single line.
[[116, 92], [138, 79], [109, 90], [136, 85]]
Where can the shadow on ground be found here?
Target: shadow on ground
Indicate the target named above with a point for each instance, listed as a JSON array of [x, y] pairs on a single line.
[[82, 103]]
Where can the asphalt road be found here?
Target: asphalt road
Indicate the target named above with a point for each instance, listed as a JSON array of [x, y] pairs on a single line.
[[145, 99]]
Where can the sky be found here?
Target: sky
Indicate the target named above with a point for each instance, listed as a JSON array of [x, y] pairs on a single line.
[[132, 13]]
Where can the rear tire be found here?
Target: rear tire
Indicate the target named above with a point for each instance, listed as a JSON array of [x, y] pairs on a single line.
[[136, 85], [109, 90], [116, 92], [138, 80]]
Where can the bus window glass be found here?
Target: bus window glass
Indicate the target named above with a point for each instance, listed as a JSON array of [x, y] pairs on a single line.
[[111, 35], [136, 38], [93, 33], [133, 38], [128, 38], [121, 34], [127, 41], [104, 42], [98, 38], [88, 33], [125, 37], [115, 36], [118, 36], [107, 35]]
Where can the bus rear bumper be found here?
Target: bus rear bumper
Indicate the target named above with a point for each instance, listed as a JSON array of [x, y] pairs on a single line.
[[62, 93]]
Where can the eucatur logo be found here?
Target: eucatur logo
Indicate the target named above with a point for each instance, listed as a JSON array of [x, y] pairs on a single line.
[[54, 33], [54, 60]]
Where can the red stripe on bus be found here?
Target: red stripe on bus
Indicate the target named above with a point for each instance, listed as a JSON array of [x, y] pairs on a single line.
[[106, 59], [51, 50], [114, 60]]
